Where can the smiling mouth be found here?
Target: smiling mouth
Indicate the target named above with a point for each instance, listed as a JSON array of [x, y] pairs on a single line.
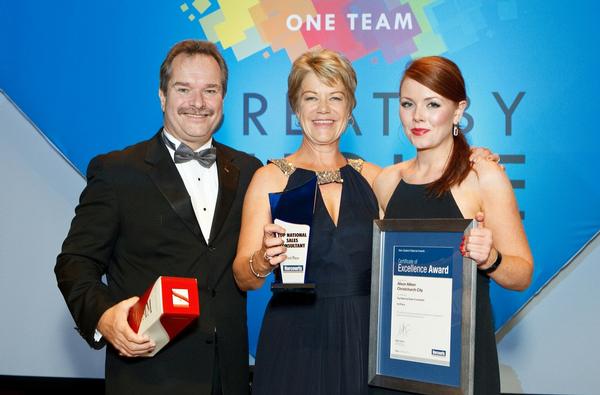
[[198, 116], [323, 121], [419, 131]]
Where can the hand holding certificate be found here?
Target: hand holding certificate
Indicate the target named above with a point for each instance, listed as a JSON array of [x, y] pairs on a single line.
[[293, 210]]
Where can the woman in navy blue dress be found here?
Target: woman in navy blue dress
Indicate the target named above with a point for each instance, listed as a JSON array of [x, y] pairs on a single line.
[[441, 182], [315, 344]]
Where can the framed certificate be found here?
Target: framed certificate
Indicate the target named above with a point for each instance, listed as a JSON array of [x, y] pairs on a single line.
[[423, 293]]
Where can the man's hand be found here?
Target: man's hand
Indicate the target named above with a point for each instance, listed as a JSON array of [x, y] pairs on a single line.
[[115, 329]]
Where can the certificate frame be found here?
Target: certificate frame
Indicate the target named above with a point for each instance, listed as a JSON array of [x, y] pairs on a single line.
[[391, 369]]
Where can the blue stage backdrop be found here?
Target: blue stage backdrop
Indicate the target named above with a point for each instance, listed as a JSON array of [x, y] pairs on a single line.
[[86, 73]]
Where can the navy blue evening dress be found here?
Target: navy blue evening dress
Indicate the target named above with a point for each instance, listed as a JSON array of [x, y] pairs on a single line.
[[318, 344]]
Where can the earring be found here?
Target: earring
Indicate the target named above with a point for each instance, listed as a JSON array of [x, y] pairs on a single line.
[[351, 120], [455, 130]]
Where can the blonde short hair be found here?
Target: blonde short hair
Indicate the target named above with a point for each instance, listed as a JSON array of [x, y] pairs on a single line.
[[330, 68]]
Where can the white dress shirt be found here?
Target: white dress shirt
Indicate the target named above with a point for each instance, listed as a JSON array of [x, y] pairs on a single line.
[[202, 185]]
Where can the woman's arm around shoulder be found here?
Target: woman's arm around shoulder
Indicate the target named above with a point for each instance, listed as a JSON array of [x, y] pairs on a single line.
[[249, 267], [503, 219]]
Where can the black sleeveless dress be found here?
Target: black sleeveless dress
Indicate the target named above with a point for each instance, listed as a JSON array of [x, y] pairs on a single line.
[[413, 201], [319, 344]]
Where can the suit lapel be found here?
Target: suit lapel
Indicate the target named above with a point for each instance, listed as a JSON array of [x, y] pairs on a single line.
[[228, 181], [165, 176]]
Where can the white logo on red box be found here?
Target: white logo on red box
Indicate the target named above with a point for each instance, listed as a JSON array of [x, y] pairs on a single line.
[[181, 297]]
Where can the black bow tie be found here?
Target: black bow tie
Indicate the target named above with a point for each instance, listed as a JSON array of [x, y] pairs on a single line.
[[183, 154]]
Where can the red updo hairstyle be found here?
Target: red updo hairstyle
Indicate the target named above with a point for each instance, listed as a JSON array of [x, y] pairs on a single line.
[[443, 76]]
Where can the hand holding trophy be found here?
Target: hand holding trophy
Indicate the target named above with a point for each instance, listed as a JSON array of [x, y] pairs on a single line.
[[292, 212]]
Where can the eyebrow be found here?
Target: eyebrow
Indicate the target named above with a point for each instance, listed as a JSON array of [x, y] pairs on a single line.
[[427, 98], [188, 85], [331, 93]]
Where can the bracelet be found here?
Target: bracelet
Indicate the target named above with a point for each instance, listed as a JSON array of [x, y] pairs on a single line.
[[495, 265], [256, 274]]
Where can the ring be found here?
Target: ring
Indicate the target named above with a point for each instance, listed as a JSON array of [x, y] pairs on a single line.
[[267, 257]]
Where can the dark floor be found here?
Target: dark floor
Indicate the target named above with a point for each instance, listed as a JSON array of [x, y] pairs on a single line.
[[25, 385]]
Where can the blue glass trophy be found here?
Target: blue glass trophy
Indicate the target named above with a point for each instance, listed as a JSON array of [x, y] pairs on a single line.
[[293, 210]]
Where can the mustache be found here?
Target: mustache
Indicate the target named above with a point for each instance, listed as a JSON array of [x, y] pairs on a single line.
[[193, 110]]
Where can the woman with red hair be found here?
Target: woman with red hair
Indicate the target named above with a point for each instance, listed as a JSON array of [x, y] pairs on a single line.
[[441, 182]]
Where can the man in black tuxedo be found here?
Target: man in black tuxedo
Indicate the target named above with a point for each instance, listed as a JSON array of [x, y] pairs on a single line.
[[164, 207]]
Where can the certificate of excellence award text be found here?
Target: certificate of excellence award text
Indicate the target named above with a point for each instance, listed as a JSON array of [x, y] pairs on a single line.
[[421, 307]]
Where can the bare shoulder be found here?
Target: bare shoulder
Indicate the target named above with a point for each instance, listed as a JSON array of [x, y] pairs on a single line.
[[467, 195], [268, 178], [490, 175], [391, 174], [471, 182], [386, 182], [370, 171]]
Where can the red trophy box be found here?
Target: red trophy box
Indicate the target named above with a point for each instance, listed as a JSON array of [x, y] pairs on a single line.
[[165, 309]]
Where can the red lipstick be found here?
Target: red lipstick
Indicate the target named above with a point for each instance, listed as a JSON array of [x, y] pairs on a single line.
[[419, 131]]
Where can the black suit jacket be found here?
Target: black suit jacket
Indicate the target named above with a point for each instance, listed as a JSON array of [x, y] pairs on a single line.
[[135, 222]]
